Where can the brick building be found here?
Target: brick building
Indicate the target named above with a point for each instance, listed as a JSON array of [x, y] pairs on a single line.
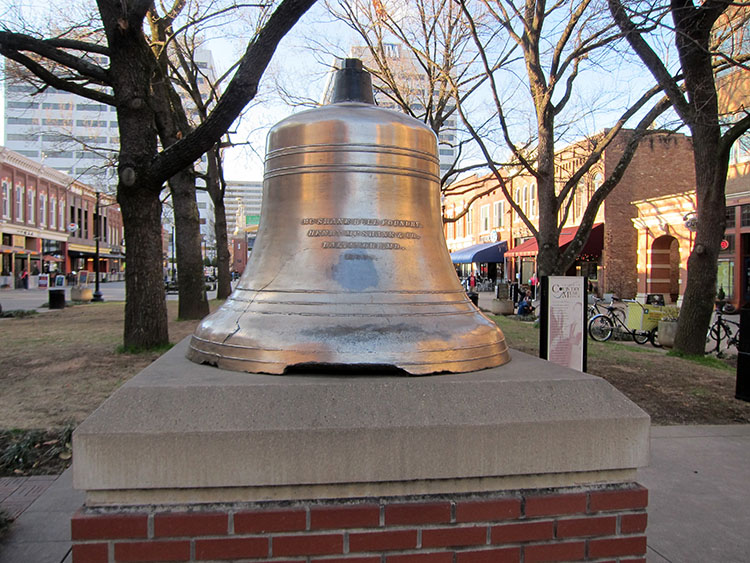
[[663, 164], [48, 224]]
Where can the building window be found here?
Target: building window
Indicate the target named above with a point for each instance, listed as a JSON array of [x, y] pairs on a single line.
[[43, 210], [730, 216], [29, 206], [740, 151], [578, 200], [52, 213], [499, 213], [745, 215], [6, 200], [484, 216], [470, 222], [526, 200], [19, 204], [532, 200]]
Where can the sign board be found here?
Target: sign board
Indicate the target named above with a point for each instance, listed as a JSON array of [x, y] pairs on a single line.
[[563, 321], [83, 278], [60, 281], [43, 280]]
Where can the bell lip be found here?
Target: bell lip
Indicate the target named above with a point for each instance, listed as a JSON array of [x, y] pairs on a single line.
[[409, 367]]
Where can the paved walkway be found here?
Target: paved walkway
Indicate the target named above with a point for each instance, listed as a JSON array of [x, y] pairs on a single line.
[[699, 501], [41, 532]]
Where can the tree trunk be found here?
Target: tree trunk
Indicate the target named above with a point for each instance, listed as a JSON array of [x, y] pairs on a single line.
[[700, 290], [191, 283], [224, 284], [131, 69], [214, 184], [548, 238], [145, 307]]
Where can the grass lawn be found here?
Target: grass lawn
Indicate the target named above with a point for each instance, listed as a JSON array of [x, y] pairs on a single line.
[[672, 390], [57, 367]]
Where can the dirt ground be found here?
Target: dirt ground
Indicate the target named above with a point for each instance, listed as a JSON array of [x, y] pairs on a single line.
[[58, 367]]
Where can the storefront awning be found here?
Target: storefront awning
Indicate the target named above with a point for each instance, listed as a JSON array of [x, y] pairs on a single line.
[[480, 253], [50, 258], [592, 248], [17, 250]]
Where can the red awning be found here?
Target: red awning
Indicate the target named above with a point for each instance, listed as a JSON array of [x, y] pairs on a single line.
[[593, 246]]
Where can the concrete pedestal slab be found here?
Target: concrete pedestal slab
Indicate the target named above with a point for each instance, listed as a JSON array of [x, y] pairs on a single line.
[[184, 433]]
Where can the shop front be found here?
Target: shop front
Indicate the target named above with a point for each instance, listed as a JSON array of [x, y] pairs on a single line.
[[485, 260], [522, 259]]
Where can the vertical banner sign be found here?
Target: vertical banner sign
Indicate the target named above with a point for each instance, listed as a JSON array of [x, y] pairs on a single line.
[[563, 321]]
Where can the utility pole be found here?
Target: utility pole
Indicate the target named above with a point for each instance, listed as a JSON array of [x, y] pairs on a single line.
[[97, 235]]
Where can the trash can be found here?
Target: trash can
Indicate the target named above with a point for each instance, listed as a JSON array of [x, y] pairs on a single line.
[[474, 298], [56, 298]]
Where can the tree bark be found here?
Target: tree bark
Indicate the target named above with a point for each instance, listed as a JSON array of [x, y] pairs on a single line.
[[145, 309], [214, 185], [191, 284]]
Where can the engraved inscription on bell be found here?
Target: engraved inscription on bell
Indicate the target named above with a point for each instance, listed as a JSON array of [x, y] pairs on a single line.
[[350, 265]]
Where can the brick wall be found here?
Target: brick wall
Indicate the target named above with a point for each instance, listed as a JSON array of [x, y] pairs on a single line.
[[602, 524], [662, 165]]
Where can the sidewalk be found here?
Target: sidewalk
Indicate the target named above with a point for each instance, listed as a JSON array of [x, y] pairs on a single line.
[[699, 502], [41, 533]]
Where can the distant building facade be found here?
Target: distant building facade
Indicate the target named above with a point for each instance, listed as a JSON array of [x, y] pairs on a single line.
[[48, 224], [663, 164]]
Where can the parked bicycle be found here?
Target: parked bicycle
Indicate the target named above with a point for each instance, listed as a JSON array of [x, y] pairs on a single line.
[[723, 333], [603, 325], [599, 306]]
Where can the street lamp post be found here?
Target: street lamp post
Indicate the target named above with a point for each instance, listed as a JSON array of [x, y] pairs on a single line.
[[97, 235]]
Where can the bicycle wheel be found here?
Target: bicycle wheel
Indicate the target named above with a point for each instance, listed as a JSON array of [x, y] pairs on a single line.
[[718, 337], [733, 330], [620, 314], [590, 312], [600, 328], [641, 336]]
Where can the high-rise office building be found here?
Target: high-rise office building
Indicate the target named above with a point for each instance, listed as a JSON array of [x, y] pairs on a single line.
[[242, 201], [414, 86], [72, 134]]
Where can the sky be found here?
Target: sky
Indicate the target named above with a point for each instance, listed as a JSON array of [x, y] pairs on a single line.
[[302, 68]]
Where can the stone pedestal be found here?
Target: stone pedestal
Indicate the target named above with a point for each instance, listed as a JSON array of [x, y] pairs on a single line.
[[188, 463]]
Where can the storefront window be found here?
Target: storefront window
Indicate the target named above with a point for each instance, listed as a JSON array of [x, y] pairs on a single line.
[[725, 278]]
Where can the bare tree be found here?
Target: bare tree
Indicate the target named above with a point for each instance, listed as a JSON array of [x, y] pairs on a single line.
[[417, 52], [692, 92], [553, 43], [127, 83]]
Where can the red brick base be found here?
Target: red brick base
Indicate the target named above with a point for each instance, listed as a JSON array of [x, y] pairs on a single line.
[[593, 524]]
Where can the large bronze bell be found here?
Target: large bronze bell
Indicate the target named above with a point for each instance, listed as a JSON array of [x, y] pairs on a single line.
[[350, 267]]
